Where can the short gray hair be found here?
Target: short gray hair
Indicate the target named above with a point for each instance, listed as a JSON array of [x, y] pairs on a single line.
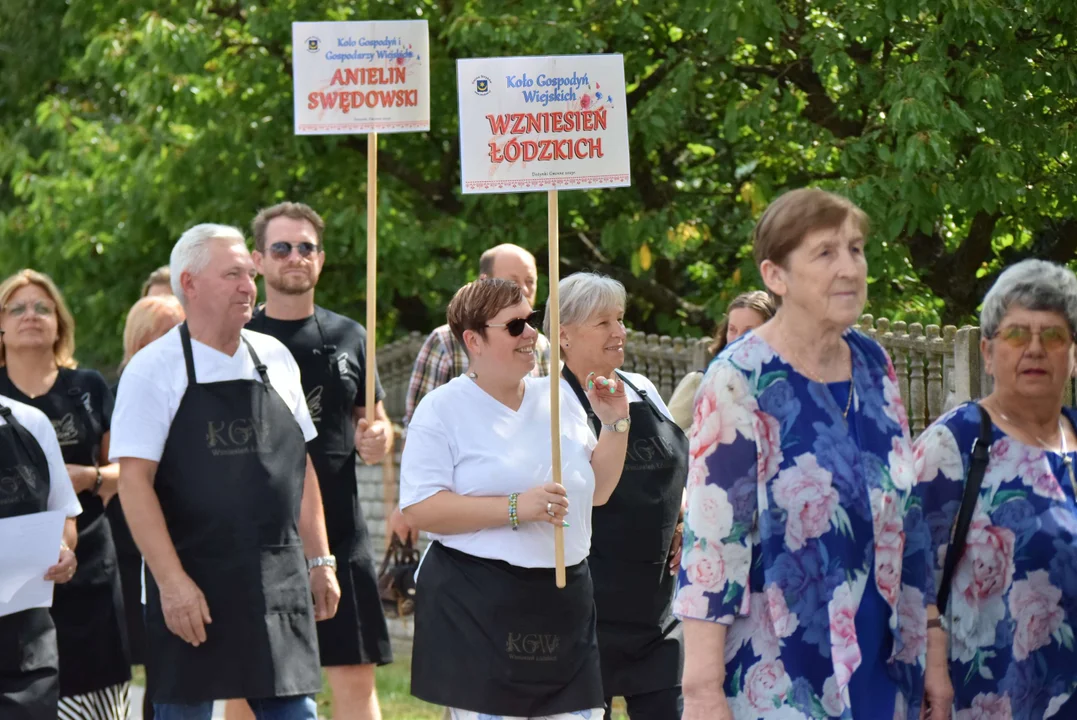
[[583, 295], [1032, 285], [191, 251]]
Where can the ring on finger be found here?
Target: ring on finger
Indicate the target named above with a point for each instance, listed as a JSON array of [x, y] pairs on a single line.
[[549, 509]]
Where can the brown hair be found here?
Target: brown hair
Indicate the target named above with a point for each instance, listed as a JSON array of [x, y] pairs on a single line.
[[63, 349], [792, 216], [293, 210], [146, 320], [475, 303], [758, 300], [160, 276]]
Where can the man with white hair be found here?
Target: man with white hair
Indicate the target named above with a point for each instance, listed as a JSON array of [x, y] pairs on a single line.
[[210, 430]]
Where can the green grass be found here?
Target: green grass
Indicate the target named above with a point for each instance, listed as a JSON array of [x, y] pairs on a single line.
[[394, 683]]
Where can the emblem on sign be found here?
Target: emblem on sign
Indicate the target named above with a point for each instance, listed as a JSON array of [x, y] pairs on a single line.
[[312, 44], [482, 85]]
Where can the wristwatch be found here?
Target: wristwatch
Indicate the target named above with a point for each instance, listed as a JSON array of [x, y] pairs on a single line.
[[324, 560], [620, 426]]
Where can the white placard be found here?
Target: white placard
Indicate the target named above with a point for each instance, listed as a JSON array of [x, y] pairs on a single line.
[[542, 123], [29, 546], [361, 77]]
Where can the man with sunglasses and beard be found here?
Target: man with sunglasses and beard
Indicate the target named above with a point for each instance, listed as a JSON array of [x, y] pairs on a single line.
[[330, 350]]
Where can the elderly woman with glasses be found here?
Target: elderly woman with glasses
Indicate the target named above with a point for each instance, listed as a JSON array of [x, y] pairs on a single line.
[[494, 636], [635, 540], [1004, 644], [797, 595]]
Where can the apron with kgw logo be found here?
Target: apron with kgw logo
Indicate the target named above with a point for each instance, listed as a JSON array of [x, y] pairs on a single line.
[[230, 483]]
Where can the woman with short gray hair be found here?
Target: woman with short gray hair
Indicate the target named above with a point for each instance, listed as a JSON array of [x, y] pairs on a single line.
[[635, 537], [997, 486]]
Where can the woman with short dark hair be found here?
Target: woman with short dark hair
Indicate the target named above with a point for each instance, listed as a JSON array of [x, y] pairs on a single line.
[[797, 597], [494, 636]]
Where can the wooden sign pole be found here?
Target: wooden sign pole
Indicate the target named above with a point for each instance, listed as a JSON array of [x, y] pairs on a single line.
[[555, 376], [371, 267]]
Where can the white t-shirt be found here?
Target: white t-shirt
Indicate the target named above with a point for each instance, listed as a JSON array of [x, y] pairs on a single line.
[[633, 397], [153, 384], [61, 493], [463, 440]]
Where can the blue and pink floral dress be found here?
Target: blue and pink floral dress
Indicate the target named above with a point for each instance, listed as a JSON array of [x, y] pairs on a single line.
[[1013, 600], [803, 536]]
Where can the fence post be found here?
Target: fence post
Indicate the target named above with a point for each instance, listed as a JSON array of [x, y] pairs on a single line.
[[967, 373]]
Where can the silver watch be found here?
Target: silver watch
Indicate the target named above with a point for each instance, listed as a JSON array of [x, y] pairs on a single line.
[[620, 426], [324, 560]]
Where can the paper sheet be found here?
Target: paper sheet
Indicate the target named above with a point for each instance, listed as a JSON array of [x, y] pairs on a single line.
[[29, 546]]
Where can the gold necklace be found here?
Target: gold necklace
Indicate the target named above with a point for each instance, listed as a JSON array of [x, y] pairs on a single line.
[[1063, 450], [816, 378]]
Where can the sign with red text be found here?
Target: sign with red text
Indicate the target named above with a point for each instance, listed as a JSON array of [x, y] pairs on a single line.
[[542, 123], [361, 77]]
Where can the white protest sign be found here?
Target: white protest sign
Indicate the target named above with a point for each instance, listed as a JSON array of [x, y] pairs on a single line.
[[542, 123], [361, 77]]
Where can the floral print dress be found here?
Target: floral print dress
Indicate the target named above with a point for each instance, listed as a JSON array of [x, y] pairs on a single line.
[[1013, 600], [790, 512]]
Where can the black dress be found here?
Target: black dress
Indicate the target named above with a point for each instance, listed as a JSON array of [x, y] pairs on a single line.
[[330, 350], [88, 610]]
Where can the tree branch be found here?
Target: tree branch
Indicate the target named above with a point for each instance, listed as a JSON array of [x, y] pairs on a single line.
[[439, 195]]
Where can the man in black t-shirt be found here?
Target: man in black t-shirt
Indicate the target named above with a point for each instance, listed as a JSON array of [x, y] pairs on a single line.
[[331, 353]]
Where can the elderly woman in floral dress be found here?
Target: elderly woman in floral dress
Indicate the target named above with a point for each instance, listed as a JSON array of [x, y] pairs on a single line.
[[1005, 647], [804, 568]]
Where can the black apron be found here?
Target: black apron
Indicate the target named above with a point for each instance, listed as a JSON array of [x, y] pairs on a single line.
[[29, 682], [639, 639], [358, 633], [498, 639], [88, 610], [230, 483]]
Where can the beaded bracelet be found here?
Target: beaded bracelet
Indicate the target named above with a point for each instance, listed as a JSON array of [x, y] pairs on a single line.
[[513, 518]]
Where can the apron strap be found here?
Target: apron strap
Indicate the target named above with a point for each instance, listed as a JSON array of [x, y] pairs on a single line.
[[258, 364], [188, 356], [574, 383], [643, 396]]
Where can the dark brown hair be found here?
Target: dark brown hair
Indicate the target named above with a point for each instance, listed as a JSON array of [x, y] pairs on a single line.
[[476, 303], [792, 216], [295, 211], [758, 300]]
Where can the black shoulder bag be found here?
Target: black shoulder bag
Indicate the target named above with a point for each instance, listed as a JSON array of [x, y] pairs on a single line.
[[981, 449]]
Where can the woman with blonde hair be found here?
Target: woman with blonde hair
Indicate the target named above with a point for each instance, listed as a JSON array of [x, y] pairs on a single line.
[[149, 318], [38, 368], [747, 312]]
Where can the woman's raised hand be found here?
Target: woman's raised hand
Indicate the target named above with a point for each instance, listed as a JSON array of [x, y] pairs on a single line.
[[545, 503], [607, 397]]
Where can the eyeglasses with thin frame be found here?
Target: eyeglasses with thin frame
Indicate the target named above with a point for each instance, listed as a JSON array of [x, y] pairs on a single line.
[[1052, 338], [516, 326], [281, 250], [38, 307]]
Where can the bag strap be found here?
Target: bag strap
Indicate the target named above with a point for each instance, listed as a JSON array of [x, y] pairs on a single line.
[[981, 448]]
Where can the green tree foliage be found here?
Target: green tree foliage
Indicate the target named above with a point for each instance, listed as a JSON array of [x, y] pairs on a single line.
[[951, 123]]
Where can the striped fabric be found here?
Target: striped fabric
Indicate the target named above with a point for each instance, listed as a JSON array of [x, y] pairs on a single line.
[[112, 703]]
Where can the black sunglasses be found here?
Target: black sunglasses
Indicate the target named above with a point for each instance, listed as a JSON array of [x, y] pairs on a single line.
[[516, 327], [281, 250]]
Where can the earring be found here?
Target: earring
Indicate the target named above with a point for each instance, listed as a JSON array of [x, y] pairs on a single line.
[[472, 375], [566, 344]]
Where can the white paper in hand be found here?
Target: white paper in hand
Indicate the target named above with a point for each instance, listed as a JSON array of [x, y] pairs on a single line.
[[29, 546]]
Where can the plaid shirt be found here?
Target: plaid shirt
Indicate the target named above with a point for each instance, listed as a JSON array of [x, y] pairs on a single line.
[[442, 358]]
